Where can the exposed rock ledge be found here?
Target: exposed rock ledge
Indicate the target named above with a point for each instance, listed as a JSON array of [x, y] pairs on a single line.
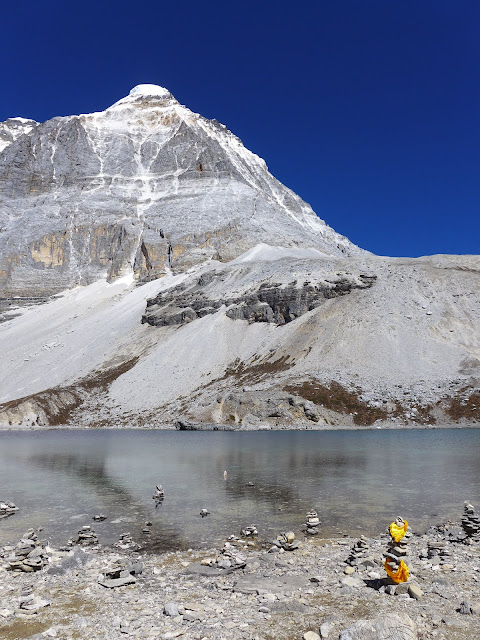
[[275, 298]]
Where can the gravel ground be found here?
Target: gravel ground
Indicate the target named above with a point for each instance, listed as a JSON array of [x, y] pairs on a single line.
[[279, 595]]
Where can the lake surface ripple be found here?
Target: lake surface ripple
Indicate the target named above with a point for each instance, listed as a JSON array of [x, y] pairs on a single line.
[[358, 481]]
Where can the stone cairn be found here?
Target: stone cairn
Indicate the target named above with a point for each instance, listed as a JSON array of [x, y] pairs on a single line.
[[471, 522], [438, 549], [229, 558], [87, 536], [284, 542], [147, 528], [358, 552], [120, 575], [159, 494], [312, 522], [126, 542], [28, 555], [7, 508], [397, 550], [250, 531]]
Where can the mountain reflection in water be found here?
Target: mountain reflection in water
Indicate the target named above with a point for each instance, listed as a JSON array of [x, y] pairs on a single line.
[[357, 481]]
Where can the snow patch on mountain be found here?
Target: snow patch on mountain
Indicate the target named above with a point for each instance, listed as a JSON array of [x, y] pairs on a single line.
[[71, 336], [264, 253], [148, 90], [13, 128]]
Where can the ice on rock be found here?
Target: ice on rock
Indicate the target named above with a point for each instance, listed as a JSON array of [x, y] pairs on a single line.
[[149, 90]]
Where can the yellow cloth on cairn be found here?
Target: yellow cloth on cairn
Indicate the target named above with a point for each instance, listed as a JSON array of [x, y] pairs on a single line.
[[401, 575], [396, 532]]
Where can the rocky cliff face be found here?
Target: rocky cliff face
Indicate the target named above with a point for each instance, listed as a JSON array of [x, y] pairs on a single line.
[[141, 188], [210, 293], [13, 128]]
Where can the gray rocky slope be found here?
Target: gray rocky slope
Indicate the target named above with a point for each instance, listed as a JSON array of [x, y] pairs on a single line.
[[180, 282], [142, 187]]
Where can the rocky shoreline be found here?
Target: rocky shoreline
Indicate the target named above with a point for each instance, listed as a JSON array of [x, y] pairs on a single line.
[[304, 587], [175, 425]]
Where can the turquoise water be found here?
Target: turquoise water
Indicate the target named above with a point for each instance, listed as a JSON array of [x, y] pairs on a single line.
[[358, 481]]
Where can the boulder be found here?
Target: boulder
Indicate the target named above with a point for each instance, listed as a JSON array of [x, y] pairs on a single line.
[[396, 626]]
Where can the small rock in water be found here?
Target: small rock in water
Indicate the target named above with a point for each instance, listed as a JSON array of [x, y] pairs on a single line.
[[204, 512], [159, 494], [249, 531], [7, 508]]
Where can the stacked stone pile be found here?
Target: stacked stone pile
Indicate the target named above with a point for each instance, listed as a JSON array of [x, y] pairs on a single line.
[[28, 555], [358, 552], [396, 551], [229, 558], [285, 541], [126, 542], [449, 531], [471, 522], [120, 575], [438, 549], [7, 508], [87, 536], [312, 522]]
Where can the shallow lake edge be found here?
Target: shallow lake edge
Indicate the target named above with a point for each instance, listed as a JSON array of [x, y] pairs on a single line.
[[222, 427]]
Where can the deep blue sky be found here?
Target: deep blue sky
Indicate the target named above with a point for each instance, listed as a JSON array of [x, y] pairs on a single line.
[[369, 110]]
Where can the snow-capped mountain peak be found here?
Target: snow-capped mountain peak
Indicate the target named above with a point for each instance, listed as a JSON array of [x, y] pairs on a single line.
[[142, 188], [146, 95]]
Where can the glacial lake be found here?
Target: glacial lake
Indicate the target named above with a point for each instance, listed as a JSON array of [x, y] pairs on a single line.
[[358, 481]]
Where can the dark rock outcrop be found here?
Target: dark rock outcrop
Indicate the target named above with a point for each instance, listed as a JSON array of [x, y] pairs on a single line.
[[279, 301]]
